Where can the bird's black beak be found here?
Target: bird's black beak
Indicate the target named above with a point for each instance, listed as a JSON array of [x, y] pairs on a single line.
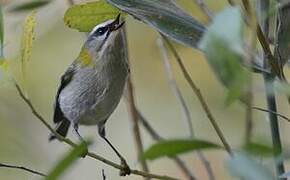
[[115, 25]]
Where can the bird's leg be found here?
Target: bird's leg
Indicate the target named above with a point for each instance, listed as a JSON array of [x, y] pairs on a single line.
[[126, 169], [76, 129]]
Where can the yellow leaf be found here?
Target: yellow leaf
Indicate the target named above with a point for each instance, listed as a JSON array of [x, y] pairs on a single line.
[[28, 37]]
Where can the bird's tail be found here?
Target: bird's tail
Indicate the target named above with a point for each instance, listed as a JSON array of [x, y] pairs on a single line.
[[61, 128]]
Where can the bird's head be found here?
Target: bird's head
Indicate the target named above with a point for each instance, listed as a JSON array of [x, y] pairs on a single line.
[[104, 34]]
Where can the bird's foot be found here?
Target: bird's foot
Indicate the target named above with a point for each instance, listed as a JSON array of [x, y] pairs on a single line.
[[125, 168]]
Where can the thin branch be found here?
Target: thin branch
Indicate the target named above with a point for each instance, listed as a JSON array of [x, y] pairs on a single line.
[[248, 59], [270, 97], [204, 8], [2, 165], [172, 83], [133, 113], [273, 112], [134, 118], [70, 2], [173, 86], [199, 96], [153, 133], [103, 174], [90, 154]]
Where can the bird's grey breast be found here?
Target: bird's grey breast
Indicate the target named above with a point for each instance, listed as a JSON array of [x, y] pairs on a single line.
[[95, 90]]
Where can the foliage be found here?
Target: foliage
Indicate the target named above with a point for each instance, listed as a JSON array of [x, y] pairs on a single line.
[[175, 147], [84, 17], [223, 46]]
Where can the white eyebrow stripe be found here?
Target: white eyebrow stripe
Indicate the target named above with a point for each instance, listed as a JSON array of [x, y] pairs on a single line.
[[101, 25]]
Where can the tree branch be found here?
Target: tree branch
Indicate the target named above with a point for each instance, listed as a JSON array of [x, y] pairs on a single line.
[[154, 135], [2, 165], [199, 96], [133, 113], [90, 154], [204, 8], [172, 83], [269, 89], [273, 112]]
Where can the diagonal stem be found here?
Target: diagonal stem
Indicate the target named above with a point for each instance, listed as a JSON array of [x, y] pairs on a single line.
[[199, 96], [22, 168], [90, 154]]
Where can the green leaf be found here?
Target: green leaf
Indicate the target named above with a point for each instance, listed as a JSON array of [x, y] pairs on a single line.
[[30, 5], [166, 17], [67, 161], [260, 149], [223, 47], [242, 166], [84, 17], [175, 147]]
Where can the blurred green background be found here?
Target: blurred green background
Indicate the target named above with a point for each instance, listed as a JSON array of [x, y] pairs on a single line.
[[24, 140]]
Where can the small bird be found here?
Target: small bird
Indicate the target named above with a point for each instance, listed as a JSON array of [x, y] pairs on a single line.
[[93, 84]]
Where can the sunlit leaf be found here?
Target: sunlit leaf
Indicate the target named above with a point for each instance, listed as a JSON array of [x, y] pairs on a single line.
[[175, 147], [258, 149], [30, 5], [242, 166], [166, 17], [66, 162], [84, 17], [27, 39], [223, 46]]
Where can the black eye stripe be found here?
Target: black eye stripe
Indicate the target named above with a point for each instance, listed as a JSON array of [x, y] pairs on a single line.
[[101, 31]]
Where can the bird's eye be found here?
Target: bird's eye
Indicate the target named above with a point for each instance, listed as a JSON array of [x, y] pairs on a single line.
[[102, 30]]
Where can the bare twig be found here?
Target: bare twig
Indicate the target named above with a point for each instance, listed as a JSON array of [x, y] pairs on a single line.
[[199, 96], [133, 114], [70, 2], [268, 81], [153, 133], [173, 86], [103, 174], [21, 168], [248, 59], [273, 112], [90, 154], [134, 118], [204, 8], [172, 83]]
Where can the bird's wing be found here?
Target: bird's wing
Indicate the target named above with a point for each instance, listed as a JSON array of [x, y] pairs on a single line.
[[65, 79]]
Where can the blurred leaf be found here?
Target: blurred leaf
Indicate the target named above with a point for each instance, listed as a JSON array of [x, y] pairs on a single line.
[[30, 5], [223, 46], [1, 33], [166, 17], [175, 147], [67, 161], [279, 87], [84, 17], [28, 37], [242, 166], [260, 149]]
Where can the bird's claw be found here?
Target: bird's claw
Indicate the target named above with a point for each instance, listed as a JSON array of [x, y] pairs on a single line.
[[125, 168]]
